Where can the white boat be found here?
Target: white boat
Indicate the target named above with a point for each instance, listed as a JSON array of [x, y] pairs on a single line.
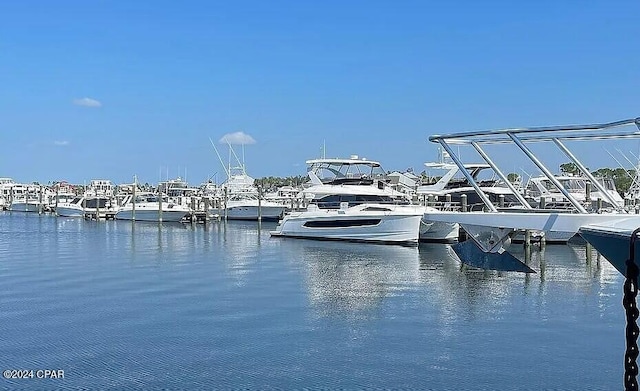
[[238, 198], [349, 200], [30, 204], [376, 223], [29, 198], [449, 193], [248, 207], [86, 205], [546, 196], [149, 207]]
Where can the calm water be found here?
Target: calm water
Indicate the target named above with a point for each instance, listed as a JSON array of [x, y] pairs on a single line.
[[140, 306]]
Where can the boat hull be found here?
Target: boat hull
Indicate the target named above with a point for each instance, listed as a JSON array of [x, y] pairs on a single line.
[[69, 211], [396, 227], [152, 213], [250, 212], [613, 241], [26, 207], [439, 231]]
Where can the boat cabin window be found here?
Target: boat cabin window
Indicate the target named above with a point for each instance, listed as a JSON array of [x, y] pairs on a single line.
[[333, 201], [96, 203], [341, 223]]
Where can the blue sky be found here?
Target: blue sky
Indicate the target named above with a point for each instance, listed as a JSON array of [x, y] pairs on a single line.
[[109, 89]]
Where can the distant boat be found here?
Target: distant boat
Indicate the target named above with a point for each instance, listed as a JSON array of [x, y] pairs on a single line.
[[239, 199], [83, 205], [149, 207], [28, 198], [579, 187]]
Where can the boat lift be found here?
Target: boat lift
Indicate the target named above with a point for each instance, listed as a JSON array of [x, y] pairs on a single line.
[[490, 232]]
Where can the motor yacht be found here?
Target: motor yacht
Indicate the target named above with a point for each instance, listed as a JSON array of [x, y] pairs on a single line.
[[349, 200], [151, 207]]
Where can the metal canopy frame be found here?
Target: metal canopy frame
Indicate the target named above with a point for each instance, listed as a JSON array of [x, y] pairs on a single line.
[[554, 134]]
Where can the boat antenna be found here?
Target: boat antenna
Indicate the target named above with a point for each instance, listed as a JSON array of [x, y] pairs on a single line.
[[237, 158], [620, 164], [220, 158]]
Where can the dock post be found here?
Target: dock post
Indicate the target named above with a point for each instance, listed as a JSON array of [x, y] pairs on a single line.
[[57, 194], [599, 205], [160, 204], [463, 202], [527, 238], [226, 198], [97, 208], [206, 209], [447, 200], [133, 202], [259, 203], [40, 206], [587, 192], [430, 201], [501, 200], [542, 204]]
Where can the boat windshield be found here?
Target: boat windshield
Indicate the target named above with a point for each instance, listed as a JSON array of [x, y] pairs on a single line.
[[333, 201], [331, 170]]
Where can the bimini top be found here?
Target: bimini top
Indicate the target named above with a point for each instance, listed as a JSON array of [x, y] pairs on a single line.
[[354, 159], [354, 167]]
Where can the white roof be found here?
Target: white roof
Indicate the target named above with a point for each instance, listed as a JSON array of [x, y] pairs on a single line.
[[344, 161]]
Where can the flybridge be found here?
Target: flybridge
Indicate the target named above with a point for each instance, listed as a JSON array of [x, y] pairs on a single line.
[[490, 232]]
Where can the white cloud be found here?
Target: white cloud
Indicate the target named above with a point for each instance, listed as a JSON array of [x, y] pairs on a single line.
[[87, 102], [237, 138], [62, 143]]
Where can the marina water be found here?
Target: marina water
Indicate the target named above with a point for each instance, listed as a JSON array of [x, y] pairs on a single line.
[[121, 305]]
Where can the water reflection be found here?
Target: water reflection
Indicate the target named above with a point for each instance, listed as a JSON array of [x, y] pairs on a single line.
[[241, 245], [348, 279], [464, 292], [354, 281]]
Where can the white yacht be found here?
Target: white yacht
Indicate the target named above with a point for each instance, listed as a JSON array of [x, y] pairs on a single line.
[[349, 200], [580, 187], [81, 206], [239, 199], [150, 207], [178, 191], [380, 223], [451, 193], [28, 198]]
